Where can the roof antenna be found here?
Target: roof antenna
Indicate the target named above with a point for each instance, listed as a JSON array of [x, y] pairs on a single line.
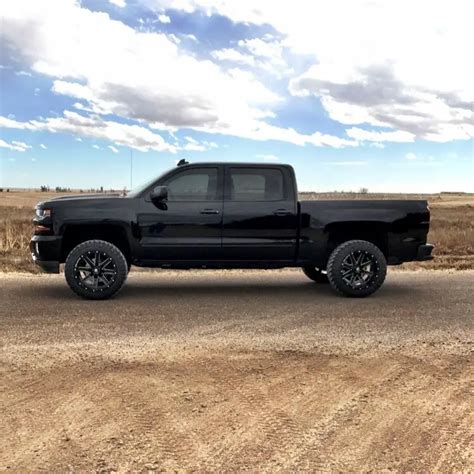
[[183, 162]]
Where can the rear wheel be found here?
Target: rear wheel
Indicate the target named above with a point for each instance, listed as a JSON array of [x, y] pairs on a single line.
[[315, 274], [96, 269], [356, 268]]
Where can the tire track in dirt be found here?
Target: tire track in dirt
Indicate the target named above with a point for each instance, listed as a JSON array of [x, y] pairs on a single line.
[[142, 423], [267, 428], [308, 451], [48, 393]]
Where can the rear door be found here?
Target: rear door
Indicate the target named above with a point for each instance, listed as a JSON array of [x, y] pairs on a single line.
[[260, 214]]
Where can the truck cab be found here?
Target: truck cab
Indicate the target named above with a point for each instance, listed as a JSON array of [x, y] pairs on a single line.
[[234, 213]]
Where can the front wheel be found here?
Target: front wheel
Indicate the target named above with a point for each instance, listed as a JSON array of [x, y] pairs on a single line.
[[96, 269], [356, 268]]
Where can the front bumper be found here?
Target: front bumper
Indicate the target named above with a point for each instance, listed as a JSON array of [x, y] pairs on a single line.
[[424, 252], [46, 252]]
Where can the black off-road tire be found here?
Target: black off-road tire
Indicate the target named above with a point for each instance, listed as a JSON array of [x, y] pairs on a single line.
[[115, 272], [367, 279], [315, 274]]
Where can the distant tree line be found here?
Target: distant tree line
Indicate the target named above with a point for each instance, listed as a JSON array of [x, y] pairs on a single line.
[[58, 189], [61, 189], [359, 191]]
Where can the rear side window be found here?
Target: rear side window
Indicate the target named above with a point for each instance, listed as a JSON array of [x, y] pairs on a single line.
[[256, 184], [199, 184]]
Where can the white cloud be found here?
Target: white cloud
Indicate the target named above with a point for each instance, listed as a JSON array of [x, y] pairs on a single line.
[[141, 76], [195, 145], [192, 38], [7, 122], [79, 106], [95, 127], [14, 145], [401, 65], [256, 52], [21, 144], [230, 54], [397, 136], [114, 68], [266, 49], [44, 147], [118, 3], [23, 73], [72, 89], [411, 156], [175, 39], [164, 18], [133, 136]]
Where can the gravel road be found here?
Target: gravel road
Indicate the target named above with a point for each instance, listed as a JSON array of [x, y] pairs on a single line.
[[226, 371]]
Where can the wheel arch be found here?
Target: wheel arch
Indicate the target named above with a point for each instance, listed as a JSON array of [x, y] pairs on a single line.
[[375, 232], [116, 234]]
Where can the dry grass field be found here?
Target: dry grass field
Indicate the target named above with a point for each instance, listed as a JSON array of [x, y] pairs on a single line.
[[452, 227]]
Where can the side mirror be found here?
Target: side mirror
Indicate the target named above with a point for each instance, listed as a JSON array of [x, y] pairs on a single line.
[[159, 193]]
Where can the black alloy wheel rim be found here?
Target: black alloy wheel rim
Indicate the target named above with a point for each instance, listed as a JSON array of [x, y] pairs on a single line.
[[359, 269], [95, 270]]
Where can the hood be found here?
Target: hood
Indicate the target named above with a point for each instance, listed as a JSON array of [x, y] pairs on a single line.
[[80, 198]]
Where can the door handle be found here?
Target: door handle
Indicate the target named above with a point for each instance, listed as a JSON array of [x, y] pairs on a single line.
[[209, 211], [282, 212]]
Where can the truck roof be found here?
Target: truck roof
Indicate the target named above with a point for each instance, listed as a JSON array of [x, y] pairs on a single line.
[[235, 163]]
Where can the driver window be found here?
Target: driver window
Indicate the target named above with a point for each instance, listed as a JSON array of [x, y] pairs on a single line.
[[197, 184]]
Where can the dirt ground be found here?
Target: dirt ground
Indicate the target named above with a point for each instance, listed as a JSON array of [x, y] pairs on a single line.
[[229, 371]]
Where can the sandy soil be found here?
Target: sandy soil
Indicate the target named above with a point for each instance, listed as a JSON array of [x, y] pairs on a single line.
[[227, 371]]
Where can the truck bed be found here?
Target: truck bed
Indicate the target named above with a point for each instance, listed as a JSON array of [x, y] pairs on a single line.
[[401, 225]]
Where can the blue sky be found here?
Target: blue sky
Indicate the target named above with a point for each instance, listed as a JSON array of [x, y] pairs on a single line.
[[87, 85]]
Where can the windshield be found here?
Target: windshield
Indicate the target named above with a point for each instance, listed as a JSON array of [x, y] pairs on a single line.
[[136, 191]]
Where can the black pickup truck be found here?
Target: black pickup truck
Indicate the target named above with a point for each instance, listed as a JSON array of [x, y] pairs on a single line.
[[226, 215]]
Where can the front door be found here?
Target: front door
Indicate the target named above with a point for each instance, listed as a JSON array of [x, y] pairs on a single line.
[[188, 225]]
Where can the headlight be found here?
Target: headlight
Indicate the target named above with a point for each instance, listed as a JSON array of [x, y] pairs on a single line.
[[43, 212]]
